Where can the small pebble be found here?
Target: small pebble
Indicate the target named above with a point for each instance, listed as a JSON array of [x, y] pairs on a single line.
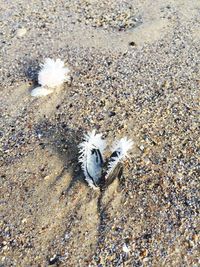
[[21, 32], [125, 248]]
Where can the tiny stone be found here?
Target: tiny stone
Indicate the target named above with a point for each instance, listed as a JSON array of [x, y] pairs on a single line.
[[125, 248], [53, 260], [5, 248], [132, 43], [144, 253], [24, 220], [4, 243], [21, 32], [111, 114], [141, 147], [195, 238]]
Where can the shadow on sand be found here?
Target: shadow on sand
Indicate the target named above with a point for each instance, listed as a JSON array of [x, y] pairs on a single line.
[[64, 141]]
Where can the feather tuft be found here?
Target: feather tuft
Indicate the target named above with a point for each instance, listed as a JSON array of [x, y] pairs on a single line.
[[122, 146], [53, 73]]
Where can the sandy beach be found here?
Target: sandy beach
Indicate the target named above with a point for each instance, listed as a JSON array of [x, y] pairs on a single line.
[[135, 68]]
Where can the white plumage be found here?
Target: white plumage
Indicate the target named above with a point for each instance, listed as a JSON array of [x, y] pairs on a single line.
[[52, 74], [92, 161], [91, 157]]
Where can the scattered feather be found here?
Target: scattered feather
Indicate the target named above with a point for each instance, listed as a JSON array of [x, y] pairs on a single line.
[[41, 91], [91, 157], [53, 73], [100, 173]]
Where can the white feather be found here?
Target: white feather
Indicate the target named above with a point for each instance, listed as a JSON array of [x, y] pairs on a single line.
[[121, 148], [92, 140], [53, 73], [87, 160], [40, 91]]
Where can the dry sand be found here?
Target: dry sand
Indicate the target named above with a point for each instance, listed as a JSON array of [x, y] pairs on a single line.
[[135, 69]]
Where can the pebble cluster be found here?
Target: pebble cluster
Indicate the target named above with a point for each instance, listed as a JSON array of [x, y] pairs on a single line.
[[120, 16]]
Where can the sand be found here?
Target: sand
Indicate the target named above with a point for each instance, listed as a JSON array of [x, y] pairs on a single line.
[[135, 70]]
